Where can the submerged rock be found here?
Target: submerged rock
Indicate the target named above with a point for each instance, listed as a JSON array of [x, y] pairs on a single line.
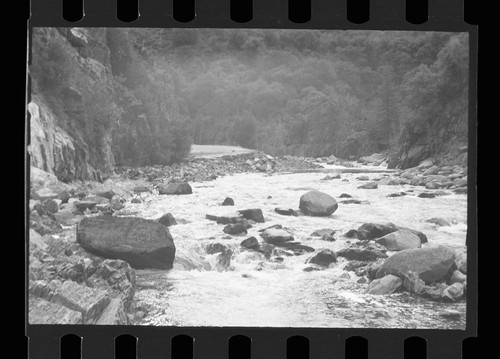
[[296, 247], [457, 277], [316, 203], [431, 264], [385, 285], [453, 292], [140, 242], [224, 260], [400, 240]]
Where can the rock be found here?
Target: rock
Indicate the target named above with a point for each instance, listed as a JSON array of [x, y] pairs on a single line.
[[235, 229], [361, 280], [91, 302], [215, 248], [140, 242], [44, 193], [188, 261], [385, 285], [175, 188], [83, 205], [438, 221], [312, 269], [250, 243], [116, 204], [50, 206], [354, 233], [462, 190], [106, 194], [328, 177], [361, 254], [345, 275], [224, 260], [345, 195], [397, 194], [135, 200], [461, 261], [376, 230], [412, 283], [400, 240], [369, 185], [431, 171], [114, 314], [316, 203], [457, 277], [422, 236], [352, 201], [363, 178], [276, 236], [64, 196], [228, 202], [225, 219], [266, 249], [44, 312], [450, 314], [324, 257], [296, 247], [141, 189], [387, 181], [253, 214], [373, 268], [323, 232], [431, 264], [285, 211], [453, 292], [167, 220], [354, 265], [427, 195]]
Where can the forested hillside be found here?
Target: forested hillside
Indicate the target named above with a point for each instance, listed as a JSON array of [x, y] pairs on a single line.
[[298, 92]]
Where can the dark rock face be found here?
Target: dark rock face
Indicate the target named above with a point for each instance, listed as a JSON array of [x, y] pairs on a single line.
[[376, 230], [228, 202], [285, 211], [354, 233], [397, 194], [400, 240], [250, 243], [254, 214], [215, 248], [175, 188], [324, 257], [235, 228], [431, 264], [140, 242], [361, 254], [167, 220], [316, 203]]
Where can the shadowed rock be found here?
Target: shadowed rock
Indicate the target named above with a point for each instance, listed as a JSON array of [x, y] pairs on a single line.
[[316, 203], [386, 285], [276, 236], [324, 257], [361, 254], [175, 188], [228, 202], [254, 214], [400, 240], [376, 230], [167, 220]]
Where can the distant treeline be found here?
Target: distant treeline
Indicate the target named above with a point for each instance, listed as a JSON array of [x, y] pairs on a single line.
[[304, 92]]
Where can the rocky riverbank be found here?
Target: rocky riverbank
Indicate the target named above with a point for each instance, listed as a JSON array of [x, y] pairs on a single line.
[[97, 286]]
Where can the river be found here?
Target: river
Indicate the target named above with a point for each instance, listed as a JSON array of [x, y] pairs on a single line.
[[259, 292]]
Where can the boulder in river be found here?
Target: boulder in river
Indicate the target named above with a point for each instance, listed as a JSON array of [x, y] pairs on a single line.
[[431, 264], [296, 247], [397, 194], [376, 230], [235, 229], [254, 214], [400, 240], [285, 211], [83, 205], [140, 242], [345, 195], [250, 243], [385, 285], [108, 194], [224, 260], [276, 236], [427, 195], [453, 292], [438, 221], [141, 188], [225, 219], [228, 201], [167, 220], [215, 248], [316, 203], [176, 188], [324, 257], [361, 254], [369, 185]]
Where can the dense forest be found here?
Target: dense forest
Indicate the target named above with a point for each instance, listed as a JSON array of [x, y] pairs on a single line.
[[299, 92]]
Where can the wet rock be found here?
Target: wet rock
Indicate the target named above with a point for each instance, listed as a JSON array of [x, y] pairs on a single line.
[[354, 265], [345, 275], [431, 171], [362, 280], [167, 220], [224, 260], [312, 268], [135, 200], [142, 243], [361, 254], [376, 230], [457, 277], [50, 206], [250, 243], [235, 229], [354, 233], [427, 195], [438, 221], [352, 201], [363, 178], [83, 205], [296, 247], [187, 261], [388, 182], [213, 248], [276, 236], [386, 285], [266, 249], [45, 312], [285, 211], [412, 283], [328, 177], [373, 268], [462, 190], [431, 264], [345, 195], [323, 232], [316, 203], [116, 204], [225, 219], [369, 185], [114, 314], [44, 193], [175, 188], [254, 214], [324, 257], [141, 189], [108, 194], [228, 202], [453, 292], [400, 240], [64, 196], [397, 194], [422, 236], [91, 302]]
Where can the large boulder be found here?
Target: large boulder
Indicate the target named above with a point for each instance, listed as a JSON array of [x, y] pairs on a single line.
[[254, 214], [235, 229], [400, 240], [376, 230], [175, 188], [431, 264], [324, 257], [316, 203], [276, 236], [385, 285], [140, 242], [361, 254], [250, 243]]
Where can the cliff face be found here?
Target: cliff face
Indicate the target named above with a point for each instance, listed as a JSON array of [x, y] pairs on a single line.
[[67, 65]]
